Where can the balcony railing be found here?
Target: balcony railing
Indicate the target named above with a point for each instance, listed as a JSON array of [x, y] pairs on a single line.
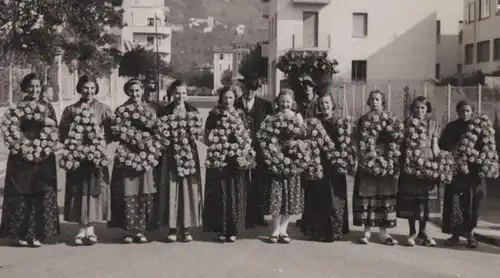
[[321, 42], [144, 29], [162, 48], [312, 2]]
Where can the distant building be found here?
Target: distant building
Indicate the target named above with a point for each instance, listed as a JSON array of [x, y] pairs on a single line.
[[223, 60]]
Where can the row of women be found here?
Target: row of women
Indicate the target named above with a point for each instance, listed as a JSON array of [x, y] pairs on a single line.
[[234, 198]]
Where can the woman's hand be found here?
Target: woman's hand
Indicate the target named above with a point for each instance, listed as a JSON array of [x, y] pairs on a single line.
[[435, 150], [50, 122]]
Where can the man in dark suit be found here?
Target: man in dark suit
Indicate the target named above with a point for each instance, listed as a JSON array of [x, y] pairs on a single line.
[[256, 109]]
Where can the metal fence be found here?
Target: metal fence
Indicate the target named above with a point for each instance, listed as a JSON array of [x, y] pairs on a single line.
[[351, 99]]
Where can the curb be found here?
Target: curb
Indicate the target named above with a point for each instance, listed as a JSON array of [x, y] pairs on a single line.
[[480, 237]]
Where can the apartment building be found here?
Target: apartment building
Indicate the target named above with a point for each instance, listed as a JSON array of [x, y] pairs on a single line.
[[144, 23], [373, 41], [480, 36], [222, 61]]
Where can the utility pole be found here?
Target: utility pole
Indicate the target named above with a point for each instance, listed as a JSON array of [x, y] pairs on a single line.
[[157, 58]]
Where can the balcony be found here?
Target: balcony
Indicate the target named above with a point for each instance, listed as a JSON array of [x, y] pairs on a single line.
[[162, 48], [265, 10], [311, 2], [144, 29], [297, 42]]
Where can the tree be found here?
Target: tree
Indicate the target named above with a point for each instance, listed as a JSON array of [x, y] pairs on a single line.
[[203, 79], [227, 78], [41, 29], [140, 62], [254, 63]]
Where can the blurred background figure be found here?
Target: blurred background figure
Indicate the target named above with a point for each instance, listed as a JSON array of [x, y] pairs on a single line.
[[47, 93]]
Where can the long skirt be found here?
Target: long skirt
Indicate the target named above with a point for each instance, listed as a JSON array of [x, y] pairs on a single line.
[[225, 201], [286, 196], [326, 212], [461, 202], [80, 205], [30, 216], [374, 200], [418, 199], [257, 195]]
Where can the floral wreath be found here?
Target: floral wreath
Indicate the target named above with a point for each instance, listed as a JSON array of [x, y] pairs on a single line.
[[284, 152], [85, 141], [178, 130], [416, 163], [477, 146], [230, 142], [133, 125], [380, 127], [34, 150]]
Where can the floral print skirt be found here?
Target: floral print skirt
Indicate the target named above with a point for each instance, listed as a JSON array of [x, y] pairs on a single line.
[[133, 213], [286, 196], [30, 217]]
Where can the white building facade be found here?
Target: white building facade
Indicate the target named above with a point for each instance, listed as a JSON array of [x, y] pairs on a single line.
[[480, 38], [223, 60], [373, 41], [144, 23]]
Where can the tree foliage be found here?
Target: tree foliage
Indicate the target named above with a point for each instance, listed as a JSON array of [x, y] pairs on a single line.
[[227, 78], [41, 29], [202, 79], [139, 62], [254, 64]]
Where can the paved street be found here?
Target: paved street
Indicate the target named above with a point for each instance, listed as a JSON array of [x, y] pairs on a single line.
[[250, 257]]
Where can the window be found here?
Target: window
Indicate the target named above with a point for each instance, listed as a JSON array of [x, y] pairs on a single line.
[[150, 40], [310, 29], [498, 7], [471, 12], [359, 25], [469, 54], [483, 51], [484, 8], [437, 71], [438, 31], [496, 49], [270, 29], [151, 21], [221, 56], [459, 68], [461, 37], [275, 25], [358, 70]]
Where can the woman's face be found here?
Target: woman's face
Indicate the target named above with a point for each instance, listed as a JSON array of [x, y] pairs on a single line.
[[227, 99], [419, 110], [326, 105], [88, 90], [180, 94], [375, 102], [465, 112], [135, 92], [285, 103], [34, 88], [49, 94]]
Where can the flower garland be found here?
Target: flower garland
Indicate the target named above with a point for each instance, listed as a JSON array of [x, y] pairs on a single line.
[[344, 156], [284, 152], [477, 146], [178, 130], [420, 165], [306, 62], [230, 142], [85, 141], [37, 149], [380, 127], [133, 125], [320, 143]]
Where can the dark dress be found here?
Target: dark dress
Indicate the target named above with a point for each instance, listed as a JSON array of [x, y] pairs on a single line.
[[258, 190], [133, 195], [419, 199], [463, 196], [30, 210], [86, 200], [180, 199], [326, 212], [225, 192], [374, 197]]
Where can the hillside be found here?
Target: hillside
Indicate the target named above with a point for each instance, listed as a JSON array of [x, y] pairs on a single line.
[[193, 47]]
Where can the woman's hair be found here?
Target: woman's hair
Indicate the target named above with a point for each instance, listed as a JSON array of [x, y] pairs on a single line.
[[222, 91], [421, 99], [171, 89], [382, 94], [27, 80], [324, 88], [327, 95], [286, 92], [463, 103], [131, 83], [86, 79]]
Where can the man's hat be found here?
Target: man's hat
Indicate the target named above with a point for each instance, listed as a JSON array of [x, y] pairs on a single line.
[[251, 82], [307, 79]]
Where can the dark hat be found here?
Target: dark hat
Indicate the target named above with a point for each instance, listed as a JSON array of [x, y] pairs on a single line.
[[251, 82], [307, 79]]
